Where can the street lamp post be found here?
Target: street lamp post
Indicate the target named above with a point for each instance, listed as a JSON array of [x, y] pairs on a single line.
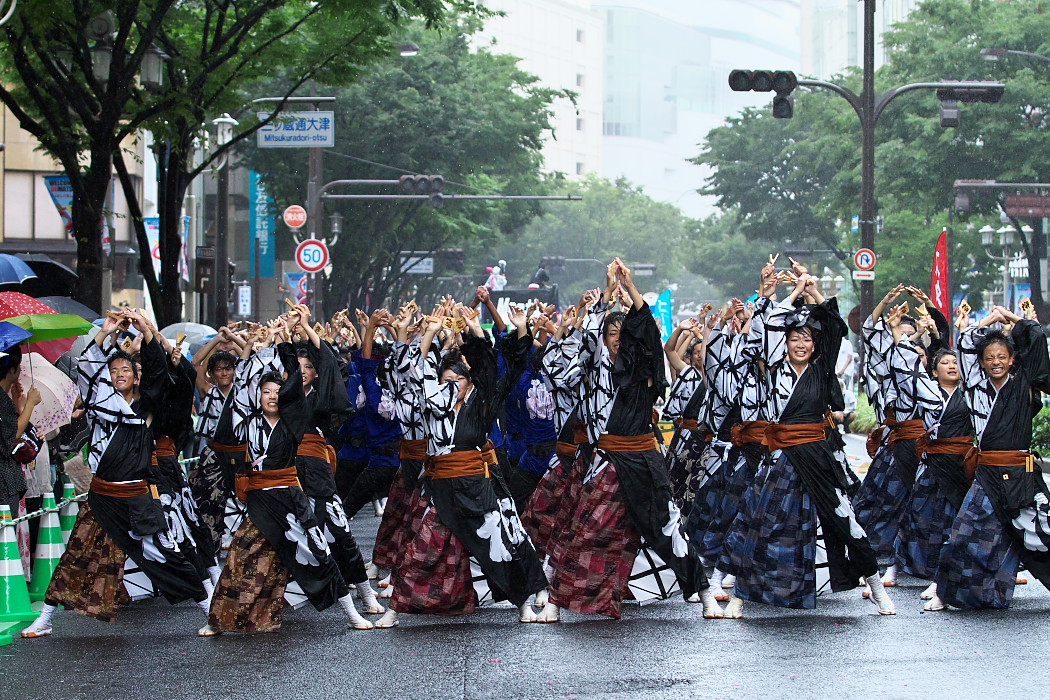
[[1007, 242], [223, 133]]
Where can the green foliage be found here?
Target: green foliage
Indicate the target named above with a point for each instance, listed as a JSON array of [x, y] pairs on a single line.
[[614, 219], [1041, 432], [796, 183], [472, 116], [865, 421]]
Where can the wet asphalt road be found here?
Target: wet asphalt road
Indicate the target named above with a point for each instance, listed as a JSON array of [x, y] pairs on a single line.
[[843, 649]]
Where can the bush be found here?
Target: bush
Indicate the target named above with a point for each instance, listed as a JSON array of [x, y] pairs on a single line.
[[1041, 432], [865, 421]]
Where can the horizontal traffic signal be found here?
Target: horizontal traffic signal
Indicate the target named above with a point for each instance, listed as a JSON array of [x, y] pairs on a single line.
[[781, 81], [989, 94]]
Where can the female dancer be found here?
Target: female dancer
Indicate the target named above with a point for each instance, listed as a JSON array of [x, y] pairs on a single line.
[[1005, 517], [771, 548]]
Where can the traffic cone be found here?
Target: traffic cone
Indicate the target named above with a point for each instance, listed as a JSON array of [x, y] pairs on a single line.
[[14, 595], [67, 517], [49, 549]]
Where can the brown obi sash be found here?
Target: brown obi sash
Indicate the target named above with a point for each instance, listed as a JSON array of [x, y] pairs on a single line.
[[996, 458], [749, 432], [779, 436], [565, 449], [316, 447], [627, 443], [456, 464], [108, 488], [413, 449], [228, 449], [579, 434], [165, 448], [871, 446], [266, 479], [906, 430], [943, 446], [488, 453]]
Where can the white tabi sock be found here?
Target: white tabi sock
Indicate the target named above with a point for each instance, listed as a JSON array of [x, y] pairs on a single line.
[[368, 597], [356, 621], [41, 627]]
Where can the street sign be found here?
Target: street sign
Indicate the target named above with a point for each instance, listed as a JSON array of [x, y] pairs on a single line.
[[205, 252], [864, 260], [854, 224], [311, 129], [1027, 205], [312, 255], [416, 263], [864, 274], [244, 300], [295, 216]]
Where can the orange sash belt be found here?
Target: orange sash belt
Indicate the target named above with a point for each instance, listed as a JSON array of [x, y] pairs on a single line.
[[579, 434], [943, 446], [749, 432], [627, 443], [266, 479], [996, 458], [316, 447], [413, 449], [456, 464], [165, 448], [906, 430], [108, 488], [779, 436], [565, 449]]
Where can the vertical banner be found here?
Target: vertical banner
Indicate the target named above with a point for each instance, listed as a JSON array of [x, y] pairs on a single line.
[[61, 191], [939, 280], [298, 283], [1021, 290], [184, 263], [663, 313], [152, 224], [262, 227]]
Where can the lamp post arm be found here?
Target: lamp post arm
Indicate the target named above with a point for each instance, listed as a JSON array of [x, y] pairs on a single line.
[[850, 96]]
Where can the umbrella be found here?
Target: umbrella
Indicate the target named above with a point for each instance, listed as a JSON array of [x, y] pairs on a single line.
[[65, 305], [17, 304], [58, 393], [52, 326], [13, 270], [195, 332], [52, 277], [11, 335]]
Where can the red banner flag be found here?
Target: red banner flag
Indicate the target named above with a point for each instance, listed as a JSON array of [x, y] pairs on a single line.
[[939, 283]]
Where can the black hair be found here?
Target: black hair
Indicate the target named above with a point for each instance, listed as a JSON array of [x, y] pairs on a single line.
[[993, 337], [221, 357], [121, 355], [612, 319], [932, 364], [910, 320], [271, 378], [693, 345], [13, 360], [454, 362]]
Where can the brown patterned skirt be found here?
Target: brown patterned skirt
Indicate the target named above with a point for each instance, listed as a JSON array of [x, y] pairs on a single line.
[[90, 575], [394, 529], [434, 574], [249, 597]]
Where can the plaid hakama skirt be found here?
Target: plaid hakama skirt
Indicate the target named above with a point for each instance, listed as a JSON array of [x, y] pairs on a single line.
[[90, 575], [433, 576], [600, 542], [772, 546], [717, 502], [880, 504], [210, 491], [249, 596], [925, 527], [978, 564], [552, 503], [394, 529]]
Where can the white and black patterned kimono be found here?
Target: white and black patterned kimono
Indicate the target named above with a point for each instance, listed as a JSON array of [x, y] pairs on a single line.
[[686, 455], [619, 402], [1005, 518], [325, 397], [940, 481], [119, 453], [408, 403], [771, 547], [211, 479], [886, 490], [285, 515], [478, 509], [173, 426]]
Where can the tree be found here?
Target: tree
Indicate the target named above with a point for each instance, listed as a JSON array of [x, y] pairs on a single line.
[[810, 164], [473, 117], [614, 219], [214, 49]]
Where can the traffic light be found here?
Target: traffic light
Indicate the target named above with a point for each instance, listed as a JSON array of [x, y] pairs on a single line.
[[453, 258], [782, 82], [950, 97], [231, 271], [554, 263], [433, 185]]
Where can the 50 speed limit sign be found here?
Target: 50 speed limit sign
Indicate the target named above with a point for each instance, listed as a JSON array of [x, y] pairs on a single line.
[[312, 255]]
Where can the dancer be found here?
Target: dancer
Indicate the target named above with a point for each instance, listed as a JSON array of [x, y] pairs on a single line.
[[771, 548], [120, 516], [626, 494], [1005, 517]]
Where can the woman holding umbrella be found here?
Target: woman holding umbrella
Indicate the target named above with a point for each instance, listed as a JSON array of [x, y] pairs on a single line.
[[12, 424]]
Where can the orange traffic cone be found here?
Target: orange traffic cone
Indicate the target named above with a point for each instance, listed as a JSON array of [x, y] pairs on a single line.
[[15, 609], [49, 549]]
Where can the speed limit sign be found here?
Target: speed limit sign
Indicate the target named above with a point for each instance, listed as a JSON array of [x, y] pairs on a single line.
[[312, 255]]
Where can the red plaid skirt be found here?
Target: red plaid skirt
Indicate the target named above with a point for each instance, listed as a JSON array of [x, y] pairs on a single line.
[[90, 575], [549, 506], [250, 594], [394, 528], [433, 576], [593, 562]]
